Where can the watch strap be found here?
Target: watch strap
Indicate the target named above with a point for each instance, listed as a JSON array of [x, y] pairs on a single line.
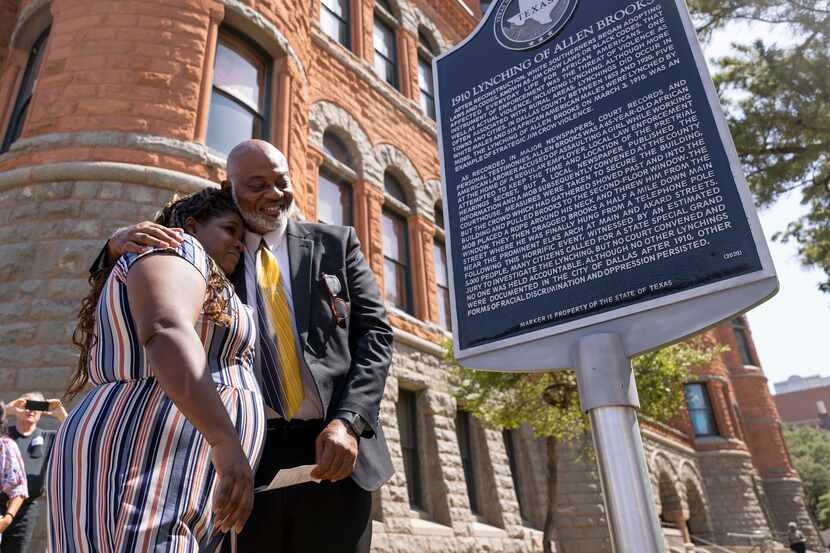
[[353, 420]]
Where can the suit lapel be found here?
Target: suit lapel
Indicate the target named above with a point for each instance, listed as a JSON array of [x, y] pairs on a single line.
[[238, 279], [300, 254]]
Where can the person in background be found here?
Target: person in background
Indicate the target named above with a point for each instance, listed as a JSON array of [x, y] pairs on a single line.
[[35, 444], [798, 542], [13, 489]]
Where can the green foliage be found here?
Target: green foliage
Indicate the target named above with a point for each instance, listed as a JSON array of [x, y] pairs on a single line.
[[823, 514], [810, 451], [506, 400], [779, 114]]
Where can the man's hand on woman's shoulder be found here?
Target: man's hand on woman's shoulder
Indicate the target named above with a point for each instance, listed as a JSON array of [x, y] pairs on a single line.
[[139, 237]]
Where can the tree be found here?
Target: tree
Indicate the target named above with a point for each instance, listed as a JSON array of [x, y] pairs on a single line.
[[549, 403], [810, 450], [777, 99]]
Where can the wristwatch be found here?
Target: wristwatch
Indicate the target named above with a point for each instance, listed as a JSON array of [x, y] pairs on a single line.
[[353, 421]]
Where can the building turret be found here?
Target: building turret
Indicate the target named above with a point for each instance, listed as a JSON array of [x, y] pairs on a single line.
[[762, 430]]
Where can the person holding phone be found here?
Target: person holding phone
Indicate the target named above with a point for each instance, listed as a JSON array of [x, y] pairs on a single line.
[[13, 489], [35, 445], [159, 454]]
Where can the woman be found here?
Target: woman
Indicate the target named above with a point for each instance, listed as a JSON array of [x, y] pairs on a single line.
[[13, 490], [158, 455]]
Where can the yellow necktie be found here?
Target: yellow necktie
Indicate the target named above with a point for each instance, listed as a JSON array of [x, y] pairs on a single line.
[[281, 324]]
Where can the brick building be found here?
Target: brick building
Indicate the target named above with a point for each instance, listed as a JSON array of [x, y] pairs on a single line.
[[109, 106], [804, 401]]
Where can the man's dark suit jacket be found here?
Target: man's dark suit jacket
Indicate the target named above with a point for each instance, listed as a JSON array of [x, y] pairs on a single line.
[[349, 363]]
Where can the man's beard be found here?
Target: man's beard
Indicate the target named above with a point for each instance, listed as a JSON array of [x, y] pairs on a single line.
[[261, 223]]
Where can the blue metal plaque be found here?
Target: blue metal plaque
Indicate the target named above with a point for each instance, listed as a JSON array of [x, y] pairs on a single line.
[[588, 171]]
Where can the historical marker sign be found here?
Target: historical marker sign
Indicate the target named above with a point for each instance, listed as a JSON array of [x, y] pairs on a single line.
[[589, 182]]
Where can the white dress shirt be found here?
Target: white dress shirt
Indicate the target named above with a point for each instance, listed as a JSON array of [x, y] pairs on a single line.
[[311, 407]]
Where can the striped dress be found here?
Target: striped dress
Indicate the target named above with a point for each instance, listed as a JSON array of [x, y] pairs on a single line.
[[128, 471]]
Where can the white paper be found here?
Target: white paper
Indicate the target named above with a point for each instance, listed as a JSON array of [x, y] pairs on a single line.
[[290, 477]]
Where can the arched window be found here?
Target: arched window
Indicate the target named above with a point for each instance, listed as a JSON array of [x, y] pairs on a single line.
[[335, 21], [741, 331], [334, 148], [26, 91], [442, 280], [700, 410], [426, 51], [334, 185], [386, 50], [396, 272], [240, 99]]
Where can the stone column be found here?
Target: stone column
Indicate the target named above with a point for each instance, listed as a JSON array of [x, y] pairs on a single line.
[[217, 14], [420, 238], [365, 12], [680, 518], [362, 223], [373, 247], [357, 31], [428, 236], [404, 44]]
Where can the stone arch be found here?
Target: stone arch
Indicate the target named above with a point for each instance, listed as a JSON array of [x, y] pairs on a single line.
[[388, 157], [425, 23], [432, 188], [325, 116], [405, 14], [257, 28], [669, 492], [35, 18], [699, 521]]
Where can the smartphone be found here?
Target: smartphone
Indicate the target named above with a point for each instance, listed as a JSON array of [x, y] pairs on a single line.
[[33, 405]]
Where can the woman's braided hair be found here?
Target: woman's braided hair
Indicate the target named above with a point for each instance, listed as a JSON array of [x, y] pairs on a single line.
[[201, 206]]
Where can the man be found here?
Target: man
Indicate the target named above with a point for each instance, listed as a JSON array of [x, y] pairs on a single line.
[[798, 543], [35, 445], [323, 354]]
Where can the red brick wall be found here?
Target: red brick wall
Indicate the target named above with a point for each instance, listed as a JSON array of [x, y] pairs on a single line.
[[800, 406], [122, 66], [759, 417], [8, 18]]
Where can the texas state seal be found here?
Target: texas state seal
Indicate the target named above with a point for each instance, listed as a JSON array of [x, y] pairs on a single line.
[[524, 24]]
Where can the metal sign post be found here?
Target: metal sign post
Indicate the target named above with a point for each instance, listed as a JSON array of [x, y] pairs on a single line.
[[608, 393]]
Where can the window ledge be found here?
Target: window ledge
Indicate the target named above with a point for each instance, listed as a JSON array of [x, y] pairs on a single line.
[[423, 527], [481, 530], [717, 440], [427, 326], [710, 440]]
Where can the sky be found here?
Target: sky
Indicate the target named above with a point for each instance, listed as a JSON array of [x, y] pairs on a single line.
[[790, 331]]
